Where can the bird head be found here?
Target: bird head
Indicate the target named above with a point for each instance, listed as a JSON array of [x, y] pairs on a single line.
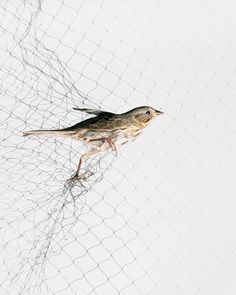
[[144, 115]]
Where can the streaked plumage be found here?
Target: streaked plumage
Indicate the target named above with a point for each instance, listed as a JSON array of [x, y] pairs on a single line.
[[104, 130]]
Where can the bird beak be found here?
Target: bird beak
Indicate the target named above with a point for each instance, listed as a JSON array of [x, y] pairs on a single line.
[[158, 112]]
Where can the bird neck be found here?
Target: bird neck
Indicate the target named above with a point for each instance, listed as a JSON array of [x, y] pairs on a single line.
[[142, 120]]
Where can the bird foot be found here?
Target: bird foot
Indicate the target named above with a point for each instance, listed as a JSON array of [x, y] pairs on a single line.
[[80, 177]]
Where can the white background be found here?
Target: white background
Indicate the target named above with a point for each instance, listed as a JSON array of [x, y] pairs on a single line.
[[162, 220]]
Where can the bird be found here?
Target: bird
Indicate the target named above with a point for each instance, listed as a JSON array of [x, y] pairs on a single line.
[[103, 131]]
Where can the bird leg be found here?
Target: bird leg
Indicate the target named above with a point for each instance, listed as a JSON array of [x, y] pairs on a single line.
[[94, 151], [79, 166], [111, 144], [84, 157], [108, 140]]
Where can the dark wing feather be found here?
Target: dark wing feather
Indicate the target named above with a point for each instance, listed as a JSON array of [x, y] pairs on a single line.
[[98, 122], [94, 112]]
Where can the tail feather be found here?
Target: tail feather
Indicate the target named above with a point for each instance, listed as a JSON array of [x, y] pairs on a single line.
[[46, 133]]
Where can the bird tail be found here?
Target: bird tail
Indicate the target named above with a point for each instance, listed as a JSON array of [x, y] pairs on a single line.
[[47, 133]]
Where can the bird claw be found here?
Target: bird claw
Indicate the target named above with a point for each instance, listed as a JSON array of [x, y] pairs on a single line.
[[80, 177]]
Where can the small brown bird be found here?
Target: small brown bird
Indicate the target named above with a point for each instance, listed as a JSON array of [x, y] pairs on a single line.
[[105, 130]]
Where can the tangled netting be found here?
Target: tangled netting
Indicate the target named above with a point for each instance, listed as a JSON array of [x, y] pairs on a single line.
[[48, 225], [142, 222]]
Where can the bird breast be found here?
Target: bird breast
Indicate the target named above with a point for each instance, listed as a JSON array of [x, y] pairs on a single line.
[[118, 134]]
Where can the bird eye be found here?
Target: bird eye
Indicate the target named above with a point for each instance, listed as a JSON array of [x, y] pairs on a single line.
[[148, 113]]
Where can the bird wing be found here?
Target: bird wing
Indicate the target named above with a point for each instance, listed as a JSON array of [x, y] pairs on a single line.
[[94, 112], [101, 121]]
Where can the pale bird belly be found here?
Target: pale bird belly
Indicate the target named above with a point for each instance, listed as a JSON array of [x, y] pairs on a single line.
[[127, 136], [94, 137], [118, 136]]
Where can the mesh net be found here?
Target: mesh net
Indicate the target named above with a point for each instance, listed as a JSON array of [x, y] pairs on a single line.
[[147, 221]]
